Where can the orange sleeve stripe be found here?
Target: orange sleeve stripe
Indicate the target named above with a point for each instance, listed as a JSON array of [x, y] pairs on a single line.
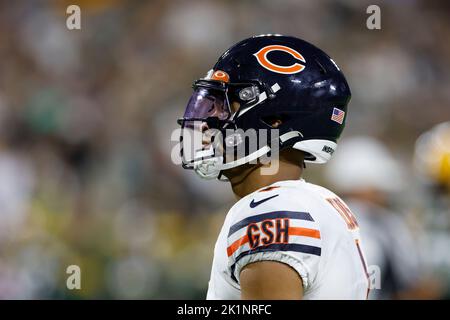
[[235, 245], [305, 232], [293, 231]]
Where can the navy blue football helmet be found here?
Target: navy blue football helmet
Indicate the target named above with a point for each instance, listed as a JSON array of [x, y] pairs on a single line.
[[269, 77]]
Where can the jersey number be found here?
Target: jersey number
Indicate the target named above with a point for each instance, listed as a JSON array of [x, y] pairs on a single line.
[[350, 220], [345, 212]]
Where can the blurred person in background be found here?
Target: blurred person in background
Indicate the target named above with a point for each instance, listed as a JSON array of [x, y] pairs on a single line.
[[371, 180], [432, 163]]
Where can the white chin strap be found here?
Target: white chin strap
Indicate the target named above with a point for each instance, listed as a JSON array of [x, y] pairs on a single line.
[[211, 168]]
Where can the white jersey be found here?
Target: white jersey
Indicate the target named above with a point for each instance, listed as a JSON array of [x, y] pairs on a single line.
[[297, 223]]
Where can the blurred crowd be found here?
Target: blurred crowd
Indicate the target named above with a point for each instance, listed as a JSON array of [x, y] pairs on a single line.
[[86, 123]]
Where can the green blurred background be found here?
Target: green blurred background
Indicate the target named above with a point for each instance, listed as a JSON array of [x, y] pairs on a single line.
[[86, 118]]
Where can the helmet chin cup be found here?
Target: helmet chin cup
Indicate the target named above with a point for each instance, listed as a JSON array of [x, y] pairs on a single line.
[[209, 169], [212, 168]]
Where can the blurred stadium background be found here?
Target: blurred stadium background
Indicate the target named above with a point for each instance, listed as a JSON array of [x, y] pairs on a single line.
[[86, 119]]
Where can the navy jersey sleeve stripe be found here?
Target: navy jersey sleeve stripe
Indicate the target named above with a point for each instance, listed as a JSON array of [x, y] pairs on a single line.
[[270, 215], [278, 247]]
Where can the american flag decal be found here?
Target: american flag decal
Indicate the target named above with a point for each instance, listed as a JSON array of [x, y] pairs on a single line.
[[338, 115]]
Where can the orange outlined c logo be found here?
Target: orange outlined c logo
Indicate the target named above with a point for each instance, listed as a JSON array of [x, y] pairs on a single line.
[[261, 56], [221, 76]]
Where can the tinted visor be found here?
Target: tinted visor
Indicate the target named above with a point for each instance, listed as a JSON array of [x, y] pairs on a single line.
[[207, 103]]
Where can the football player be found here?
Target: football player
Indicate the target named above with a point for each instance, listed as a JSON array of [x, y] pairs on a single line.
[[432, 163], [285, 238]]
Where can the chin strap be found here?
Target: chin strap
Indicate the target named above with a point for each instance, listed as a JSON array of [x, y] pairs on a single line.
[[212, 168]]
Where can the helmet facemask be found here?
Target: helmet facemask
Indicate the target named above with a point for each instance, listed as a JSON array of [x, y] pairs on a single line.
[[210, 140]]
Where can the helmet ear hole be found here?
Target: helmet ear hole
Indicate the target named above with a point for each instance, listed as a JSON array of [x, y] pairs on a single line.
[[274, 121]]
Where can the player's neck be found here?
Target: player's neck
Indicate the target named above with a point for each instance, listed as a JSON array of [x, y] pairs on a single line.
[[257, 177]]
